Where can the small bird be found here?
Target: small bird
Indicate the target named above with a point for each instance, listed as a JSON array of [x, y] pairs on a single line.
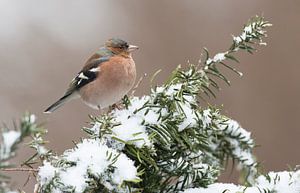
[[106, 77]]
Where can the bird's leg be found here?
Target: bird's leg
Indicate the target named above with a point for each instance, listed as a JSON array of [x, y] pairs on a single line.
[[114, 106]]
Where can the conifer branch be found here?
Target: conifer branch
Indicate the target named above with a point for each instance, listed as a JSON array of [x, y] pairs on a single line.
[[173, 142], [161, 142]]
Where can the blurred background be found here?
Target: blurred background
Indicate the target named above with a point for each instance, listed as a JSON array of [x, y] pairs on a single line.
[[43, 44]]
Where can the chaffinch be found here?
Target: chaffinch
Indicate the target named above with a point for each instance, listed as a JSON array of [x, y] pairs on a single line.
[[105, 78]]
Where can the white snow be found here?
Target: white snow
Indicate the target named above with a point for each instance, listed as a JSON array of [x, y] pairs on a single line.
[[96, 127], [206, 117], [173, 89], [235, 129], [89, 156], [9, 139], [249, 32], [75, 177], [280, 182], [219, 57], [46, 172], [132, 122], [190, 117], [248, 29], [41, 150], [125, 170], [131, 130], [30, 118]]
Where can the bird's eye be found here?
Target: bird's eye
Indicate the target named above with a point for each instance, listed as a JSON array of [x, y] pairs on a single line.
[[123, 47]]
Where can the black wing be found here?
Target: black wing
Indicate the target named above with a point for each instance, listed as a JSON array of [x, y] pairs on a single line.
[[87, 74]]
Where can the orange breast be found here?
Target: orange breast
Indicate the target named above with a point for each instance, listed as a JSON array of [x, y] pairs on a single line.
[[115, 79]]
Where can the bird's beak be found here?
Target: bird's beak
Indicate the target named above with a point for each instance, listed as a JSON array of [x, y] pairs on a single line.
[[132, 48]]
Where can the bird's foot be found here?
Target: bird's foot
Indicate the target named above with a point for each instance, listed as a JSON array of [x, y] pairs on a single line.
[[114, 106]]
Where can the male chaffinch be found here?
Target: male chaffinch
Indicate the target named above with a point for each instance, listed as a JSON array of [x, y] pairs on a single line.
[[105, 78]]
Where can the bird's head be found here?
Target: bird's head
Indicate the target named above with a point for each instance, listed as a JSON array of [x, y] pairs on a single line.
[[119, 46]]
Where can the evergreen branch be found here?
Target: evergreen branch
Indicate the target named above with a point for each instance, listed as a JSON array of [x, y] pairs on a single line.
[[10, 141], [253, 33], [167, 140]]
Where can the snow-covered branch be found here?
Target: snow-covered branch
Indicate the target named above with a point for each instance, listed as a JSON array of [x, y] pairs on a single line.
[[9, 141], [279, 182], [161, 142], [167, 140]]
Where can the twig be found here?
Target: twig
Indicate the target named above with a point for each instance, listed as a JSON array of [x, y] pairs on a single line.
[[28, 178], [19, 169], [138, 84]]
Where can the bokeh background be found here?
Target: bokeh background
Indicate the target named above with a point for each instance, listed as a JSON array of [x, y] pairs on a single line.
[[43, 44]]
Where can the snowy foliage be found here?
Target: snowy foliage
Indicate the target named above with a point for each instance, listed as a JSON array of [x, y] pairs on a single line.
[[161, 142], [168, 140], [9, 140], [189, 153], [82, 168], [277, 182]]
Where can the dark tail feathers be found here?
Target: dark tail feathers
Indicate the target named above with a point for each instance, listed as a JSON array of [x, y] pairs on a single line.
[[59, 103]]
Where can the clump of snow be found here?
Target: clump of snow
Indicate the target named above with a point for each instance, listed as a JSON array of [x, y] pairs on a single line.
[[89, 157], [131, 128], [233, 128], [9, 139], [280, 182], [170, 90], [30, 118], [250, 30], [173, 89], [96, 127], [41, 150], [75, 177], [237, 137], [89, 154], [206, 117], [125, 170], [190, 117], [217, 58], [46, 172]]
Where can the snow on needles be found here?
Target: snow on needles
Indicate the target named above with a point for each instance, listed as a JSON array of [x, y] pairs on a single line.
[[9, 139], [46, 172], [217, 58], [250, 31], [131, 128], [90, 157], [279, 182]]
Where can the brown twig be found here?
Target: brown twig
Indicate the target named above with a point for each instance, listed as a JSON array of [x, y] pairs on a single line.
[[19, 170]]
